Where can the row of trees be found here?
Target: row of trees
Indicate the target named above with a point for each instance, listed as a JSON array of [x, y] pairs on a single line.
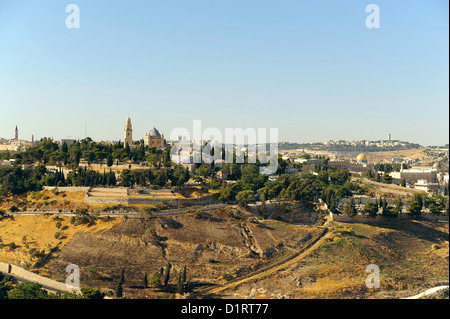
[[160, 279], [436, 204], [176, 176], [331, 184], [16, 180], [50, 152]]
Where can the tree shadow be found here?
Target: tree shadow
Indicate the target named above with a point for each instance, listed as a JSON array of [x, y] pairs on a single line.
[[416, 229]]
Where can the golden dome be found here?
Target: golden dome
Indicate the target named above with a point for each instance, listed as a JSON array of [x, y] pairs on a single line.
[[361, 157]]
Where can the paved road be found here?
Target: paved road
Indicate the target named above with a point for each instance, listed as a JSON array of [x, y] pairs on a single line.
[[428, 292]]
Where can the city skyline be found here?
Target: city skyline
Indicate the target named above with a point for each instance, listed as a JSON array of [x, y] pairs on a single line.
[[139, 138], [312, 70]]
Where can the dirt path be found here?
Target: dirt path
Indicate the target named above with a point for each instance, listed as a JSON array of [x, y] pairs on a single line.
[[267, 270]]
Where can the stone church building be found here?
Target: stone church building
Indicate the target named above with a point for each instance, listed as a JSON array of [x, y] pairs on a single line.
[[151, 139]]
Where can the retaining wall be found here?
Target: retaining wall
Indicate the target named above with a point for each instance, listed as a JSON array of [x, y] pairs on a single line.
[[136, 200], [67, 189], [105, 200], [381, 218], [23, 275]]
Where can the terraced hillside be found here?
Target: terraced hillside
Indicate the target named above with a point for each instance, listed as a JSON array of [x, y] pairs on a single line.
[[228, 253], [215, 247], [411, 255]]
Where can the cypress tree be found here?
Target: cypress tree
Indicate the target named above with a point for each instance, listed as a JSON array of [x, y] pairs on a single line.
[[167, 274], [349, 208], [109, 160], [145, 280], [188, 287], [119, 290], [179, 285], [415, 205], [183, 276]]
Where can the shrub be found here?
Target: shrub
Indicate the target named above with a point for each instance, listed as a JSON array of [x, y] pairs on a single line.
[[13, 209], [154, 281], [92, 270], [27, 290], [226, 276], [92, 293], [148, 209]]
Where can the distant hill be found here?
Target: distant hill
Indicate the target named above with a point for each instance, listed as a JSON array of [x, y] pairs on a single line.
[[338, 147]]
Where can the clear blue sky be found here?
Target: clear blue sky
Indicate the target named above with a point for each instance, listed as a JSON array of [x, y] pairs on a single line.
[[310, 68]]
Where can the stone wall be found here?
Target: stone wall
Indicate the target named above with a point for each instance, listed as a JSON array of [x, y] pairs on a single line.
[[68, 189], [136, 200], [106, 200], [23, 275], [380, 218]]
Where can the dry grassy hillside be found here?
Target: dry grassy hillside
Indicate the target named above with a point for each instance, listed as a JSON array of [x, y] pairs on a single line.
[[215, 247], [219, 246], [412, 256], [34, 236]]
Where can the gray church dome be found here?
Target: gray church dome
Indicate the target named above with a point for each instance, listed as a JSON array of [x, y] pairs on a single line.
[[437, 165], [155, 133]]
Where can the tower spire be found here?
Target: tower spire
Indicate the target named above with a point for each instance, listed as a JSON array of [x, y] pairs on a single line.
[[128, 133]]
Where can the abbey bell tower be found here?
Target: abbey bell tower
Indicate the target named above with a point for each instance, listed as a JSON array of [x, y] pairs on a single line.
[[128, 133]]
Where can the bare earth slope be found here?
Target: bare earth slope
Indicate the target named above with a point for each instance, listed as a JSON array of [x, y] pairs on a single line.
[[215, 247], [412, 256]]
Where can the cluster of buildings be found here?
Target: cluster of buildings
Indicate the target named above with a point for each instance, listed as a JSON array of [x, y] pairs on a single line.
[[430, 179], [15, 144], [384, 143]]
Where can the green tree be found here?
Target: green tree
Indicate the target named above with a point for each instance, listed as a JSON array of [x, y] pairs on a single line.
[[415, 205], [119, 289], [203, 171], [92, 293], [109, 160], [245, 197], [349, 208], [183, 275], [145, 281], [435, 203], [263, 207], [167, 274], [403, 182], [183, 285], [371, 208], [128, 178], [27, 290], [155, 281], [387, 178], [180, 289], [398, 205]]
